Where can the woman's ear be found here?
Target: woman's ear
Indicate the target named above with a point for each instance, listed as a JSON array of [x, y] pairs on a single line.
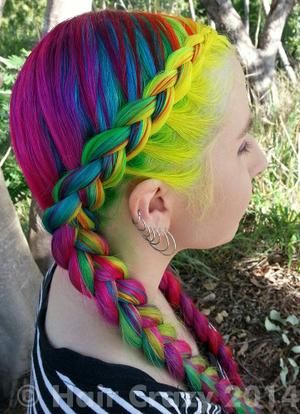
[[152, 198]]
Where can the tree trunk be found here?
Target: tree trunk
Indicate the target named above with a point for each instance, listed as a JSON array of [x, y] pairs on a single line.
[[59, 10], [246, 13], [38, 239], [290, 71], [260, 62], [20, 279], [192, 9]]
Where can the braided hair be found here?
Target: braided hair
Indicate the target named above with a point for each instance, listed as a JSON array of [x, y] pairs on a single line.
[[110, 96]]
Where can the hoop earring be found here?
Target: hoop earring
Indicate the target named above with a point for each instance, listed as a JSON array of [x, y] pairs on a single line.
[[149, 234]]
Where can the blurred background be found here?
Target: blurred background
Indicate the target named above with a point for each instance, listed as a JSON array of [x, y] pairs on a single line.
[[250, 287]]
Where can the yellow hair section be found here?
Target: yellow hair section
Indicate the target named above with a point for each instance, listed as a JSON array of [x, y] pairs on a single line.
[[178, 150]]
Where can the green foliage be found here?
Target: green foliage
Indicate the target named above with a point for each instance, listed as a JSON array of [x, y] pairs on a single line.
[[288, 328], [20, 25], [179, 7], [14, 178], [256, 16], [275, 224], [291, 33]]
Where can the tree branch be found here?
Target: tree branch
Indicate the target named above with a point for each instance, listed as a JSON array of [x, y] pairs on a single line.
[[227, 20], [275, 21]]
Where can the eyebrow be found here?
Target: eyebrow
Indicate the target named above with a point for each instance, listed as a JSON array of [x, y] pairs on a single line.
[[247, 127]]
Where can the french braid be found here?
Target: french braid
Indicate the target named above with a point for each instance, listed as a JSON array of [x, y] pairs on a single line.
[[77, 243]]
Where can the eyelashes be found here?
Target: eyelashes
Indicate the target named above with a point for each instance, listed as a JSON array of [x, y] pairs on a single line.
[[244, 148]]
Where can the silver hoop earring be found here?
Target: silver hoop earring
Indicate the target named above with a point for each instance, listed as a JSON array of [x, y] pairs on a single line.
[[149, 234]]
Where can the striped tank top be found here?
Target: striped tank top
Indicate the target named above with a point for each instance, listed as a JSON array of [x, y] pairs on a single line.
[[65, 381]]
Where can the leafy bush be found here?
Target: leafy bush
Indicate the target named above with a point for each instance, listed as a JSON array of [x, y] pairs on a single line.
[[14, 178], [288, 328], [20, 25]]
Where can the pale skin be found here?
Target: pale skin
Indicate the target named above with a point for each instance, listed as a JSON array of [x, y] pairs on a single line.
[[80, 328]]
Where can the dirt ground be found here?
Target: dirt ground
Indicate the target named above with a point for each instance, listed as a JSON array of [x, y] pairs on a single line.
[[237, 303]]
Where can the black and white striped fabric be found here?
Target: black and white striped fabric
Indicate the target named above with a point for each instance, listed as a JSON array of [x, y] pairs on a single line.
[[65, 381]]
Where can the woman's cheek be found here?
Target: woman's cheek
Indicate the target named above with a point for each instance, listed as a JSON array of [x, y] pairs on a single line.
[[245, 192]]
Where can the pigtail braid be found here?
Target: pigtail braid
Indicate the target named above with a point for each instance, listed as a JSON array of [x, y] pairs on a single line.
[[79, 247], [172, 289]]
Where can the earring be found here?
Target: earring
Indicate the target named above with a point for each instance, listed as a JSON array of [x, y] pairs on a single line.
[[149, 234]]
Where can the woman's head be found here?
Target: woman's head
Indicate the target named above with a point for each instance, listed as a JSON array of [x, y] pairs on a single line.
[[80, 75], [115, 111], [236, 159]]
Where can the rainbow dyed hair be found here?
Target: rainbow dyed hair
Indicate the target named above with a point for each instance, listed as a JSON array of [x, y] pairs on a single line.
[[109, 97]]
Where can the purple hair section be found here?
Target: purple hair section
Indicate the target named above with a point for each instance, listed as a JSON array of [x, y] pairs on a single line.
[[72, 86]]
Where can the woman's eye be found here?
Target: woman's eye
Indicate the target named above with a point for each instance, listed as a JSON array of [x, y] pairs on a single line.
[[244, 148]]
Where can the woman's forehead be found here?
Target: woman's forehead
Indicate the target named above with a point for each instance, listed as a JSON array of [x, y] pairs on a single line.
[[237, 111]]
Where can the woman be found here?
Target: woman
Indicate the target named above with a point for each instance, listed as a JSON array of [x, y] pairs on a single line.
[[131, 129]]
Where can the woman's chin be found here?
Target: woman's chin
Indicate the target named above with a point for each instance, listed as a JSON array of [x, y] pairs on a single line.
[[230, 236]]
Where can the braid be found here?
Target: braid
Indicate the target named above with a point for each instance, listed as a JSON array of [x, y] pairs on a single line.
[[204, 331], [77, 243], [172, 289]]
